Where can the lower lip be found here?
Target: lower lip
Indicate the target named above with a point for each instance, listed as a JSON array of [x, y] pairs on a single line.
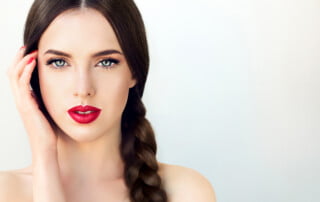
[[84, 118]]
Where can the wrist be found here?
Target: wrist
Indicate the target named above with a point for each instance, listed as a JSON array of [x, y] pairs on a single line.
[[45, 156]]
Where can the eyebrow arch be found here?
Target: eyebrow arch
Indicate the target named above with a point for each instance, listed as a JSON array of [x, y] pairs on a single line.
[[56, 52], [101, 53], [107, 52]]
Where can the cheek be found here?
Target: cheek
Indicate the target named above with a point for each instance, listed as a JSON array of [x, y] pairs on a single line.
[[115, 93], [114, 87], [51, 90]]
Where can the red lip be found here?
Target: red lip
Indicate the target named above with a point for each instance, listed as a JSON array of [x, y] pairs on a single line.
[[84, 118]]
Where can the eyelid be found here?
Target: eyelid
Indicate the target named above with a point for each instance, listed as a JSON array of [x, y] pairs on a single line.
[[52, 60], [113, 60]]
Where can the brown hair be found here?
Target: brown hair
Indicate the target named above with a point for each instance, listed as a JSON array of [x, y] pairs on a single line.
[[138, 145]]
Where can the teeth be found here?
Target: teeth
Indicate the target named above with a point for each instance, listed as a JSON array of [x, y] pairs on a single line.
[[87, 112]]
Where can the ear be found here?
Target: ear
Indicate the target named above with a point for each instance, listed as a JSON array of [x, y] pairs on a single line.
[[132, 83]]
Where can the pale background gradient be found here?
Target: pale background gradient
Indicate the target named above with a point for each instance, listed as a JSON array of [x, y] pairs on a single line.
[[233, 92]]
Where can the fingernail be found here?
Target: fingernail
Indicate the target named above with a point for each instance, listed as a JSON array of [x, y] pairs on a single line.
[[22, 47], [30, 60]]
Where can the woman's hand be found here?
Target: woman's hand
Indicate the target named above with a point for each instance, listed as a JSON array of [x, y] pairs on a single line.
[[47, 184], [38, 128]]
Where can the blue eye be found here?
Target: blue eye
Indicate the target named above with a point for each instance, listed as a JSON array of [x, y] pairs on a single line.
[[108, 63], [57, 63]]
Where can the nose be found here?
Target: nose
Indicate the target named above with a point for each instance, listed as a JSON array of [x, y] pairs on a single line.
[[84, 85]]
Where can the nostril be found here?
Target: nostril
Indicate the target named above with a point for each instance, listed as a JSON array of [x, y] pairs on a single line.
[[83, 94]]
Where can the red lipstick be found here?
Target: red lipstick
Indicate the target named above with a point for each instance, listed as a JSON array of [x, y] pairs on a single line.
[[84, 114]]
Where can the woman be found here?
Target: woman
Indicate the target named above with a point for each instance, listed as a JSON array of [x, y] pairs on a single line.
[[87, 62]]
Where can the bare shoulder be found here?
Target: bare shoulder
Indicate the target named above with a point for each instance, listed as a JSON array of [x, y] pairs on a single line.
[[14, 186], [185, 184]]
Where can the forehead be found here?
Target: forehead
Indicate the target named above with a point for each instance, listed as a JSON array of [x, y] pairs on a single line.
[[83, 28]]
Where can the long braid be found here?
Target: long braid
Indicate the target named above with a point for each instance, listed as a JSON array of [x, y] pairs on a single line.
[[138, 150]]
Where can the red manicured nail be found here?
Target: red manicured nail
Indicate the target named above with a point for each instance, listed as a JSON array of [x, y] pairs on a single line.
[[22, 47], [30, 60]]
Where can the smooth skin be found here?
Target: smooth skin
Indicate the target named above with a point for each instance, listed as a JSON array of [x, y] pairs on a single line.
[[80, 162]]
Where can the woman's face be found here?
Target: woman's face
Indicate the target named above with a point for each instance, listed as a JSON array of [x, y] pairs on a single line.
[[80, 62]]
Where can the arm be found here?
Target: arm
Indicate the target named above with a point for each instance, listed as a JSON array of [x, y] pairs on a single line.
[[47, 186]]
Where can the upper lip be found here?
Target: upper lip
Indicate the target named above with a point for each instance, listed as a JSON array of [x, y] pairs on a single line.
[[85, 108]]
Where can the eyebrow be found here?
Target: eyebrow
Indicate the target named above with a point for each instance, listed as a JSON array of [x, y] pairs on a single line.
[[101, 53]]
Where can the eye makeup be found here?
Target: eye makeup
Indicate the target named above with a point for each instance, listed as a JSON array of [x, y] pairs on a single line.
[[56, 63], [108, 62], [59, 63], [107, 59]]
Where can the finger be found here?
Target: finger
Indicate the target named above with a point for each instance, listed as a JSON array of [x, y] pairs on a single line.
[[24, 90], [17, 58], [16, 71], [25, 77], [15, 75], [22, 64]]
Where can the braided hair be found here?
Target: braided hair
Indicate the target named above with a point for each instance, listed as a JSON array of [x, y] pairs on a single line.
[[138, 150]]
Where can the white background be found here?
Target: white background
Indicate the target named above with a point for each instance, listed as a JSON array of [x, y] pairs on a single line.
[[233, 92]]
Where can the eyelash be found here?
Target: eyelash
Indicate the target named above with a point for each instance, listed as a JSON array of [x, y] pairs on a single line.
[[52, 63], [111, 60]]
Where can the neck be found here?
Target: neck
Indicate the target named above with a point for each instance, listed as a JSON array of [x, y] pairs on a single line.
[[94, 161]]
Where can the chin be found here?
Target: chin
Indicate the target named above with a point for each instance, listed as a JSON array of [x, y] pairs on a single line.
[[81, 135]]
